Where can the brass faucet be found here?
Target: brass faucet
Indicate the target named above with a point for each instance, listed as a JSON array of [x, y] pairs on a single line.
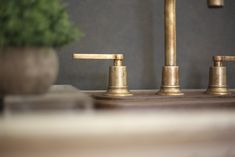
[[117, 85], [170, 72], [218, 76]]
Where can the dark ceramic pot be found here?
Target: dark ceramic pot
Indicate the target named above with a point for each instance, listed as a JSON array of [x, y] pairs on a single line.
[[27, 70]]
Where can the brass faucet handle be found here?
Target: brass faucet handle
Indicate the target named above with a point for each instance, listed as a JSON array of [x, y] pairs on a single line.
[[98, 56], [117, 85], [218, 60], [224, 58], [117, 58], [218, 76]]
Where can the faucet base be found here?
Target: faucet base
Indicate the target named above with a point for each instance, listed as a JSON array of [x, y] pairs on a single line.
[[170, 91], [170, 81], [218, 91], [118, 82], [218, 81], [118, 92]]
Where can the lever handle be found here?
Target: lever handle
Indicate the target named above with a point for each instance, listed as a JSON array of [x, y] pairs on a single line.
[[224, 58], [117, 58], [218, 60], [98, 56]]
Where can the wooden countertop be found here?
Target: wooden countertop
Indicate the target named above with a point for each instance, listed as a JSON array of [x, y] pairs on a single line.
[[193, 99], [65, 97]]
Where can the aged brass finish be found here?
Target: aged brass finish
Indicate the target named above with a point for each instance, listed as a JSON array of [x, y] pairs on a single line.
[[215, 3], [170, 78], [170, 83], [218, 60], [170, 72], [218, 76], [217, 81], [117, 85], [115, 57], [170, 33]]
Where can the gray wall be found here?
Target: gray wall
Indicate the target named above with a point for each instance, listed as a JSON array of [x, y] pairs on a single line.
[[136, 28]]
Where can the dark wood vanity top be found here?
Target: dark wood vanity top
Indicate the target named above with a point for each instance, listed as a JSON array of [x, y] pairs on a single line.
[[66, 97], [192, 99]]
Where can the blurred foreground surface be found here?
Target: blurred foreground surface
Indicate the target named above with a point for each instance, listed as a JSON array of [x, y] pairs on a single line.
[[64, 122], [115, 134]]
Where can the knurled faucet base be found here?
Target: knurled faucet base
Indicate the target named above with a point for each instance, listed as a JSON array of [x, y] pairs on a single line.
[[170, 81]]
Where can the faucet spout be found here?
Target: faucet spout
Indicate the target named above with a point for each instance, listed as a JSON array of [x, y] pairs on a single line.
[[216, 3], [170, 33], [170, 72]]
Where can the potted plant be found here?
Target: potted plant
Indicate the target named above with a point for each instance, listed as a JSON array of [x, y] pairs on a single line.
[[29, 32]]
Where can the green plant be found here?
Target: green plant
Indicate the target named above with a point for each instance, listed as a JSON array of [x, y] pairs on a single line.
[[35, 23]]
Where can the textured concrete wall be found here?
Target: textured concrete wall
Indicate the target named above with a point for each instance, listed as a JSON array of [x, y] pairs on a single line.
[[136, 28]]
